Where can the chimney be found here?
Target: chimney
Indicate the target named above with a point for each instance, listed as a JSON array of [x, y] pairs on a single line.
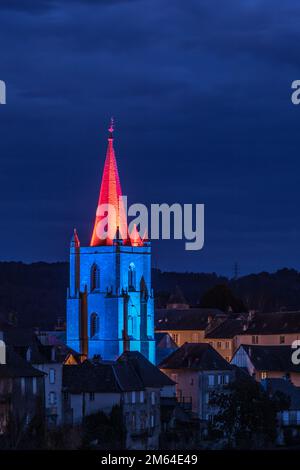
[[251, 315], [96, 359]]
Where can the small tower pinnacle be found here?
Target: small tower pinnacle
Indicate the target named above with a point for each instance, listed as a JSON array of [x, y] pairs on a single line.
[[75, 240]]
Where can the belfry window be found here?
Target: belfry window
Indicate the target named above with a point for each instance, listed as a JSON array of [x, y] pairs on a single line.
[[94, 325], [95, 277], [131, 277]]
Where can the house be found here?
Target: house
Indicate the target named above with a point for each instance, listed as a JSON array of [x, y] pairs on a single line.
[[264, 362], [131, 382], [164, 346], [288, 420], [187, 326], [86, 389], [21, 401], [49, 359], [222, 337], [270, 329], [198, 371], [143, 419]]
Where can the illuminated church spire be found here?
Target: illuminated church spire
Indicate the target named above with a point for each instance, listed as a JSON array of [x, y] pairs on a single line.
[[110, 193], [110, 306]]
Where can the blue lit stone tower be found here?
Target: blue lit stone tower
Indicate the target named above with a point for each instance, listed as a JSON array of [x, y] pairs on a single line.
[[110, 300]]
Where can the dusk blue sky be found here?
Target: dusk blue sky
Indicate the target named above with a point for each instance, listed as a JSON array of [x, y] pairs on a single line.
[[200, 92]]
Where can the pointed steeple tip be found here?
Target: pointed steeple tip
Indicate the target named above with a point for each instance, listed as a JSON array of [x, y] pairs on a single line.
[[111, 128], [75, 240]]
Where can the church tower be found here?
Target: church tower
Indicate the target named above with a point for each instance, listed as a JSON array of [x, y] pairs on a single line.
[[110, 300]]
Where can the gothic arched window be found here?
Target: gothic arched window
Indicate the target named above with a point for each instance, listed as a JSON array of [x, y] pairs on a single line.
[[94, 325], [131, 277], [95, 277]]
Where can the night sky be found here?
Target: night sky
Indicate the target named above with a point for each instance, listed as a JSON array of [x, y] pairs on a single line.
[[200, 92]]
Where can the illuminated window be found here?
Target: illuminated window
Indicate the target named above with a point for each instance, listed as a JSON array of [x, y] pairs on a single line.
[[133, 397], [285, 417], [211, 380], [263, 375], [254, 339], [142, 396], [94, 326], [175, 338], [95, 277], [131, 277], [219, 344], [152, 398], [221, 379]]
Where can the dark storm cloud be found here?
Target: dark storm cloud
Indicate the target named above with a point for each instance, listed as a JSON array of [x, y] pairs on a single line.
[[201, 95]]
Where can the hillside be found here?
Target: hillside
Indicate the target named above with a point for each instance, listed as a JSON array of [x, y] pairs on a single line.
[[36, 292]]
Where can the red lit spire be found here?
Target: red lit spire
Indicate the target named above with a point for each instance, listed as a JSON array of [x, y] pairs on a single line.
[[110, 193]]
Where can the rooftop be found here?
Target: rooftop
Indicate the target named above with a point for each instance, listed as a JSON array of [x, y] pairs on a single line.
[[227, 329], [149, 374], [191, 319], [195, 356], [274, 323], [271, 358], [16, 366]]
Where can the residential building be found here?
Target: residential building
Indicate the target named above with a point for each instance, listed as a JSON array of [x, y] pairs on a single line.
[[131, 382], [273, 329], [267, 362], [198, 371], [144, 422], [21, 401], [164, 346], [222, 337], [187, 326]]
